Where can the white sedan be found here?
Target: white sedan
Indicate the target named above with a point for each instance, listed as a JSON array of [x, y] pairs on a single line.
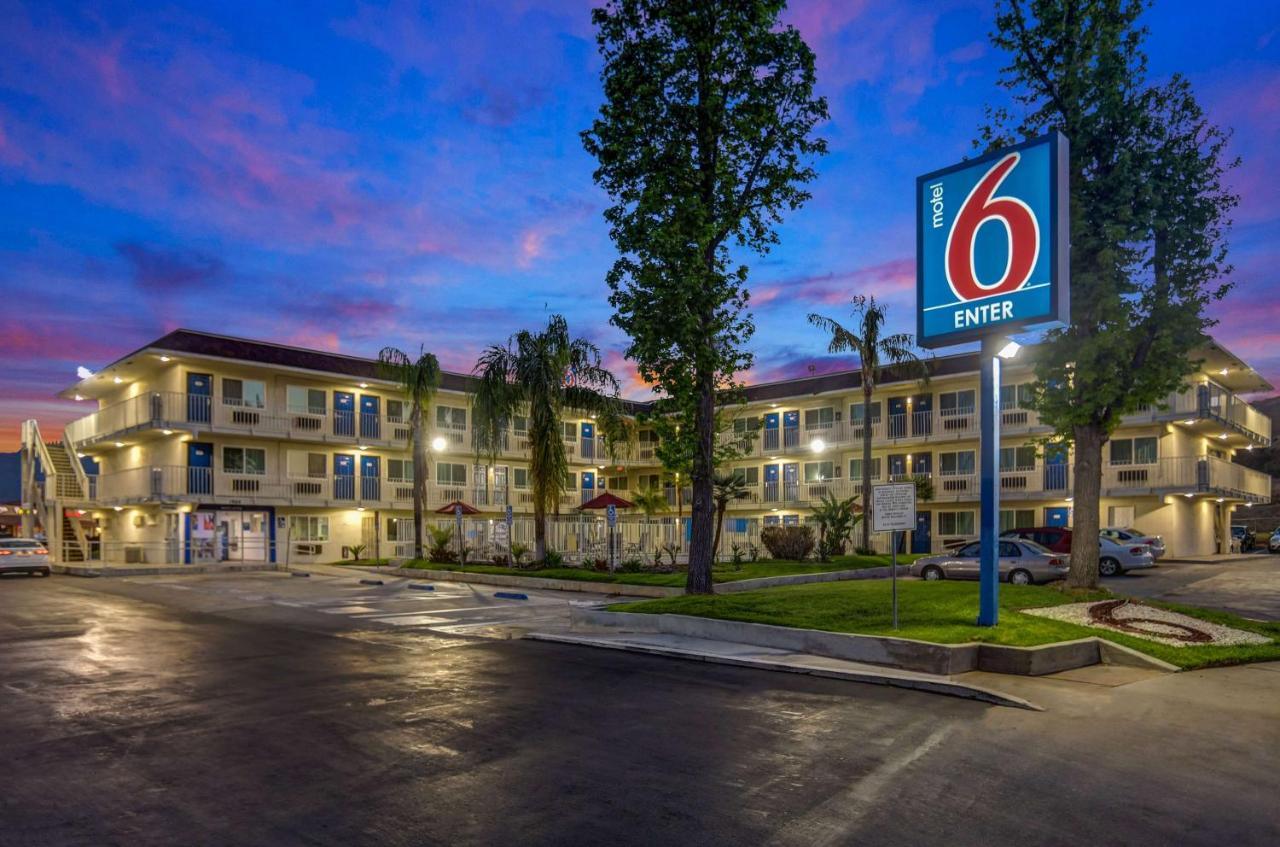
[[1115, 558], [23, 555]]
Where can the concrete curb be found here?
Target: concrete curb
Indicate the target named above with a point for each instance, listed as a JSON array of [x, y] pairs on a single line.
[[806, 578], [903, 653], [533, 582], [938, 686], [160, 570]]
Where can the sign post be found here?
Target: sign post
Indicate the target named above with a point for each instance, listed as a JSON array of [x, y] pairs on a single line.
[[510, 537], [462, 542], [893, 508], [611, 516], [992, 258]]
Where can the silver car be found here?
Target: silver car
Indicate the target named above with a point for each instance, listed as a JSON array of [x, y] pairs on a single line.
[[1273, 545], [1129, 535], [23, 555], [1021, 562], [1114, 557]]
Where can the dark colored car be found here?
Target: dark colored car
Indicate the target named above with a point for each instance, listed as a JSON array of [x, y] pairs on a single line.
[[1054, 538], [1244, 537]]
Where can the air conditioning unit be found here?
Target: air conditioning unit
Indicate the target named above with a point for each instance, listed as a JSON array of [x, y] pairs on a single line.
[[308, 549]]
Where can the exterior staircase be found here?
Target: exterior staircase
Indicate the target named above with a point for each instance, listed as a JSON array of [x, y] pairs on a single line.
[[52, 478]]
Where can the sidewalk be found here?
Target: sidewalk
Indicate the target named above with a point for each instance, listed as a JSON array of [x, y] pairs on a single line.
[[766, 658]]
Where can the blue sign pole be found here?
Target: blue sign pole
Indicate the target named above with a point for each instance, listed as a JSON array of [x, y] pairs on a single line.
[[989, 454]]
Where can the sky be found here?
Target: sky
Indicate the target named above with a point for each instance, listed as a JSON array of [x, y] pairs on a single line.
[[351, 175]]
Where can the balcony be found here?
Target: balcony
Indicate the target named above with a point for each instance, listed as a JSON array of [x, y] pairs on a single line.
[[1188, 476], [176, 410], [1227, 417]]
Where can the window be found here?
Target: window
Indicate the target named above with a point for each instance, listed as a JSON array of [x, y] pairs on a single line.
[[741, 427], [1018, 458], [818, 471], [451, 474], [856, 412], [956, 464], [1009, 550], [520, 477], [1016, 518], [616, 483], [1018, 396], [570, 431], [308, 528], [303, 464], [246, 460], [1134, 451], [302, 400], [450, 417], [749, 476], [819, 418], [520, 425], [400, 470], [395, 411], [955, 523], [855, 468], [250, 393], [652, 480], [956, 402], [970, 551], [570, 481]]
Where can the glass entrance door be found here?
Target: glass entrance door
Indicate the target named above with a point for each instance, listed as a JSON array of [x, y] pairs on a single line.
[[242, 536]]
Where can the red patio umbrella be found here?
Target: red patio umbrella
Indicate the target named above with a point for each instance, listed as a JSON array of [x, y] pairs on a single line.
[[467, 509], [605, 500]]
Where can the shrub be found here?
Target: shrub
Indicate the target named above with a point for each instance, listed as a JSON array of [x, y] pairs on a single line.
[[601, 564], [865, 551], [738, 551], [553, 559], [357, 551], [518, 552], [441, 550], [792, 543], [631, 565]]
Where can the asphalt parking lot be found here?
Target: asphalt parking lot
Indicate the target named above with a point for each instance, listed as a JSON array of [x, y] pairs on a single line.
[[1248, 586]]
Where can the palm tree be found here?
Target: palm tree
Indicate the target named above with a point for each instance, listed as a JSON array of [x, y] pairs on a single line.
[[650, 501], [875, 352], [725, 488], [547, 373], [418, 379]]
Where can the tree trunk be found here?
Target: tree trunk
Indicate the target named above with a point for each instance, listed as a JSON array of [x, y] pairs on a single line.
[[866, 462], [1087, 490], [703, 509], [715, 545], [419, 484], [539, 531]]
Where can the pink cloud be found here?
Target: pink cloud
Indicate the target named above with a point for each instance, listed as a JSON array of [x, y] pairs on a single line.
[[883, 280]]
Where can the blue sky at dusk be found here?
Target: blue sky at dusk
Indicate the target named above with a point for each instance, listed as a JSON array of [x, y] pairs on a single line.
[[351, 175]]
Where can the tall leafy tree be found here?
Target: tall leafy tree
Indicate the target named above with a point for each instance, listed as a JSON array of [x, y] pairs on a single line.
[[547, 373], [876, 352], [419, 379], [1149, 212], [704, 140]]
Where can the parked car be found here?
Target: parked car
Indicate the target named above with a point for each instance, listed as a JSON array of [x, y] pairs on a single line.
[[1021, 563], [1129, 535], [1115, 558], [1054, 538], [24, 555], [1273, 545], [1243, 537]]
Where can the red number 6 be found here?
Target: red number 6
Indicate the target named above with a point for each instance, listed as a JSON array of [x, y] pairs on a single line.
[[1024, 236]]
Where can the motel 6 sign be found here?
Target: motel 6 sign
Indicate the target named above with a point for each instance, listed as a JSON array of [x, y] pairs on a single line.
[[992, 244]]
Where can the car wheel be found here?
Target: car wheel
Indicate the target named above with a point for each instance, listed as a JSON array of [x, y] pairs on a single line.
[[46, 572], [1109, 567], [932, 573], [1020, 577]]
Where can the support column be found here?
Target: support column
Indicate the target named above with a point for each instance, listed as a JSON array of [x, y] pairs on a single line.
[[1224, 527], [989, 464]]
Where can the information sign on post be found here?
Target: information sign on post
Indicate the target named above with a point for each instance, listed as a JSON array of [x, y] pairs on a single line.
[[893, 510]]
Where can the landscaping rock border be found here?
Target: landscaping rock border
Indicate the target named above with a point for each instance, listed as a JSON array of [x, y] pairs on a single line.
[[535, 582], [904, 653]]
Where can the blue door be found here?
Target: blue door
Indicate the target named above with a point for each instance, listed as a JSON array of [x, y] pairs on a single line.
[[370, 418], [771, 431], [922, 415], [199, 397], [791, 481], [1055, 516], [897, 466], [588, 442], [921, 539], [897, 417], [344, 413], [370, 478], [199, 468], [588, 483], [791, 429], [1055, 468], [344, 477], [771, 482], [922, 464]]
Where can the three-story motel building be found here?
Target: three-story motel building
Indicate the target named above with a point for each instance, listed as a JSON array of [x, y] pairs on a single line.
[[216, 449]]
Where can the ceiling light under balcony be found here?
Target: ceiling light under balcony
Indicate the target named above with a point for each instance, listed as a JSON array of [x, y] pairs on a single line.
[[165, 359], [80, 455], [1189, 422], [359, 508], [78, 398], [1222, 499], [167, 431], [1223, 372], [1070, 499], [119, 443], [117, 380], [118, 508], [364, 446], [1223, 435], [83, 373], [1189, 495], [438, 444], [364, 385]]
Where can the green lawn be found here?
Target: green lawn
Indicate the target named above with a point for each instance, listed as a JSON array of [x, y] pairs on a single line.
[[363, 563], [944, 612], [723, 572]]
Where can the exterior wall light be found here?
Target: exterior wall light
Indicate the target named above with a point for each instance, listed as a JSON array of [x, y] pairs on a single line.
[[818, 445], [438, 444]]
